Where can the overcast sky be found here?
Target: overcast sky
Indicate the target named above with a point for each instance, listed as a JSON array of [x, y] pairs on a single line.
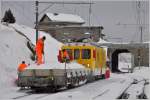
[[112, 15]]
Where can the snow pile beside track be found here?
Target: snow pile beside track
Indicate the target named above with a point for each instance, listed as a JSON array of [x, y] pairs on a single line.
[[13, 50], [52, 46]]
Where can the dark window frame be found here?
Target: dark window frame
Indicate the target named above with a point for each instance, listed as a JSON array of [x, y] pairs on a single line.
[[75, 54], [86, 54]]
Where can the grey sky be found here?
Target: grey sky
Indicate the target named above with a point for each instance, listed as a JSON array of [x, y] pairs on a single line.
[[104, 13]]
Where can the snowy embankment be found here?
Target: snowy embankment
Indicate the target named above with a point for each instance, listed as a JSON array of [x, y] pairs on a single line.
[[13, 50], [108, 89], [52, 47]]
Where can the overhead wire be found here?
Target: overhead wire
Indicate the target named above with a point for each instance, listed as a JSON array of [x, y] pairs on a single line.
[[46, 8]]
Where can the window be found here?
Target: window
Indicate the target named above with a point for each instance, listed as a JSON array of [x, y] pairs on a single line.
[[69, 51], [76, 53], [86, 53]]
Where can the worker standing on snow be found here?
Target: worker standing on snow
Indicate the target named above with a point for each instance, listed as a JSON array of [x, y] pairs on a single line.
[[22, 66], [39, 49]]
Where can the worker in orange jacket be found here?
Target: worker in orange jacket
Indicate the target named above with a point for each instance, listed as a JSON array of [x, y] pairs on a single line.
[[65, 55], [22, 66], [39, 49]]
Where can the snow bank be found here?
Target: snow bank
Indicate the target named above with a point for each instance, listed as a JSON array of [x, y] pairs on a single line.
[[13, 50], [52, 46], [141, 72]]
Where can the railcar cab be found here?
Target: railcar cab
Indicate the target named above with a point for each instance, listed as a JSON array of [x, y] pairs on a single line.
[[83, 53]]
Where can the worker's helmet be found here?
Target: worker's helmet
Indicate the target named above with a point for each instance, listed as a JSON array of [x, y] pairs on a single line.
[[23, 62], [44, 38], [64, 50]]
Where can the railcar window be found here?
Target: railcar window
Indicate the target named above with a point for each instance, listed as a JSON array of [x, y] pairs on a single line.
[[86, 53], [76, 53], [69, 52]]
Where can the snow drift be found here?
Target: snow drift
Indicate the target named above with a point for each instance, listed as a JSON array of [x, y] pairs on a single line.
[[13, 50]]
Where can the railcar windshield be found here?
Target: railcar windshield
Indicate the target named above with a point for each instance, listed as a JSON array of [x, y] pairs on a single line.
[[69, 51], [86, 53], [76, 53]]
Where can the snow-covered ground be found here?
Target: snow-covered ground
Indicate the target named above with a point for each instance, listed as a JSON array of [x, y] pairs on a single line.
[[51, 49], [125, 62], [13, 50], [51, 45], [107, 89]]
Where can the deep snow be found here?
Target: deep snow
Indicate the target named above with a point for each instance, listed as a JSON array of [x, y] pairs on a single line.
[[51, 47], [13, 50]]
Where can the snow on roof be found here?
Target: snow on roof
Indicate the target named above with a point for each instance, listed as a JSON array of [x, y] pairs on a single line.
[[147, 42], [102, 41], [60, 17]]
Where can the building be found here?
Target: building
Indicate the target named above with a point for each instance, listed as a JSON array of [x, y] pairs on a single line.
[[68, 27]]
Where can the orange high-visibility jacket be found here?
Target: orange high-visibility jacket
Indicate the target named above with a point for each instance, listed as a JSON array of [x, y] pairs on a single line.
[[22, 67], [65, 54], [39, 46]]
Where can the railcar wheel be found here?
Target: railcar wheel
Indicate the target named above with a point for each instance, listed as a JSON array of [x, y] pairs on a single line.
[[70, 86], [53, 89]]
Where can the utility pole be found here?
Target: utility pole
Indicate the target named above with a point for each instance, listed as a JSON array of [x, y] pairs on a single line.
[[140, 20], [0, 12], [140, 24], [90, 11], [37, 14], [47, 2], [141, 29]]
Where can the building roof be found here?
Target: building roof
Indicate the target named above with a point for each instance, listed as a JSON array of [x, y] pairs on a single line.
[[60, 17], [122, 45]]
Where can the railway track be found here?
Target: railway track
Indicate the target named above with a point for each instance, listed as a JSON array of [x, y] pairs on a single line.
[[135, 90], [104, 92], [36, 95], [23, 96]]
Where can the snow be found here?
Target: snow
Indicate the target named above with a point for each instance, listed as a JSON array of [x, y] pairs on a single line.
[[125, 62], [60, 17], [51, 49], [13, 50], [102, 41], [52, 46], [107, 89], [56, 65]]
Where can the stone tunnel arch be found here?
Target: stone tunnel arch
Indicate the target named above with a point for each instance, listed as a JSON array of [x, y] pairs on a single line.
[[114, 58]]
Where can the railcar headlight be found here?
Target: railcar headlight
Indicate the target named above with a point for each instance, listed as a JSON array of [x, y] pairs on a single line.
[[88, 65], [52, 78]]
